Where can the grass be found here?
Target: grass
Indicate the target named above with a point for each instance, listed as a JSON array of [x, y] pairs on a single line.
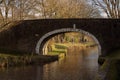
[[7, 60], [61, 46], [112, 72], [11, 60], [112, 65], [113, 56], [66, 45], [53, 53], [60, 50], [57, 49], [15, 58]]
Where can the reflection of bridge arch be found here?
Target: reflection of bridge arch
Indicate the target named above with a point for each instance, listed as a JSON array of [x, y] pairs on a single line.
[[39, 43]]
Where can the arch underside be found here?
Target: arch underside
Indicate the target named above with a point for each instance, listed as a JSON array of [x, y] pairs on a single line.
[[39, 43]]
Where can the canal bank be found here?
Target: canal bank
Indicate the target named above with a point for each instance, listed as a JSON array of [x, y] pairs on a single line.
[[16, 58], [110, 66], [77, 65], [8, 60]]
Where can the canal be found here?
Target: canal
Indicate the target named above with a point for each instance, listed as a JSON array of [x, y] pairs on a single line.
[[79, 64]]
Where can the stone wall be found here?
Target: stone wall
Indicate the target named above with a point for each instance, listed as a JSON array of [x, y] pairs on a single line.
[[24, 35]]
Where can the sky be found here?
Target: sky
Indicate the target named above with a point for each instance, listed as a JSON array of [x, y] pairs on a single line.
[[104, 15]]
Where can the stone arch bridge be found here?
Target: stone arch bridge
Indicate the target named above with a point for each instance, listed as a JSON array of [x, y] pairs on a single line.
[[31, 35]]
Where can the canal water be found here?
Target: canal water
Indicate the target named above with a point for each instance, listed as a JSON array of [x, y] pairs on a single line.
[[79, 64]]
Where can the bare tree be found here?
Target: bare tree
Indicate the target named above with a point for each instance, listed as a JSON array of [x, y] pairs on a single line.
[[11, 10], [1, 15], [46, 8], [110, 7], [22, 9], [68, 9], [41, 9], [5, 7]]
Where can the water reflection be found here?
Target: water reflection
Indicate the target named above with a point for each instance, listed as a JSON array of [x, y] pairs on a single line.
[[78, 65]]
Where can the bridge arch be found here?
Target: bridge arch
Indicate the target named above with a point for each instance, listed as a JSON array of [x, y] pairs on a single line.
[[57, 31]]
